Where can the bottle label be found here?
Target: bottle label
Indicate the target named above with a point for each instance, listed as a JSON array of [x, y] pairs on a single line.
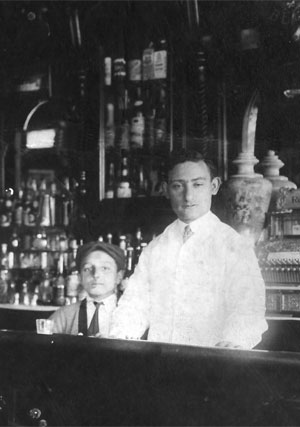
[[11, 259], [124, 190], [148, 64], [110, 127], [120, 67], [125, 130], [160, 64], [137, 130], [109, 194], [107, 71], [135, 70]]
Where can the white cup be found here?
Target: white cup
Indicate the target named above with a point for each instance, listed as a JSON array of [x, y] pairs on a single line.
[[44, 326]]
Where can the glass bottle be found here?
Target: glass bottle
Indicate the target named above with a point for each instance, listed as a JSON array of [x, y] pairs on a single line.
[[13, 248], [18, 209], [4, 285], [122, 243], [82, 196], [128, 269], [160, 124], [4, 256], [161, 61], [59, 284], [110, 187], [142, 182], [6, 209], [148, 62], [137, 124], [72, 280], [45, 289], [124, 185], [24, 294], [110, 132], [11, 294], [66, 203], [31, 204]]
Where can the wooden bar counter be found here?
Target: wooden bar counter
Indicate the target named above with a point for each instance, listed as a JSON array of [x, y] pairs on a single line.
[[73, 380]]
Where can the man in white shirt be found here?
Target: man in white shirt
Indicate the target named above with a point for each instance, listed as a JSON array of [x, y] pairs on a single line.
[[101, 266], [196, 286]]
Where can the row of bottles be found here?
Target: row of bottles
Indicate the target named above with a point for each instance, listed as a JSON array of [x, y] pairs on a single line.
[[136, 100], [43, 271], [42, 202], [44, 286], [37, 250], [130, 176]]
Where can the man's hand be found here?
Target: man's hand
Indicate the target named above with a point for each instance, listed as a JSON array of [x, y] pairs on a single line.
[[227, 344]]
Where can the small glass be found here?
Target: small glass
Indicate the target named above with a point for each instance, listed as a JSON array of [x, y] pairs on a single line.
[[44, 326]]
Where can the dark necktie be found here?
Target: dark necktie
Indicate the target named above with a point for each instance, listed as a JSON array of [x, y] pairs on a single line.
[[187, 233], [94, 325]]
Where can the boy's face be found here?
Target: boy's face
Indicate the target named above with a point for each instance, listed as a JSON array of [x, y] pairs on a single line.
[[190, 190], [99, 275]]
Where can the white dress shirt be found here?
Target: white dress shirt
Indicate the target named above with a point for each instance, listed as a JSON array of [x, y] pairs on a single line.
[[206, 290], [106, 308]]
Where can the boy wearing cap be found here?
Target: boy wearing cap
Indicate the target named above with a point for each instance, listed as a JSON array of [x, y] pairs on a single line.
[[100, 267]]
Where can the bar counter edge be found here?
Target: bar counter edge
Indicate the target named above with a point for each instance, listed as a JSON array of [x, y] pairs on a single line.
[[72, 380]]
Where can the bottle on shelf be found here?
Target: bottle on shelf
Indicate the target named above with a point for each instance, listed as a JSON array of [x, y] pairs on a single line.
[[14, 247], [110, 186], [160, 124], [14, 240], [24, 294], [148, 62], [65, 204], [137, 124], [124, 184], [129, 268], [137, 245], [31, 203], [4, 285], [135, 71], [6, 209], [11, 293], [4, 256], [45, 211], [82, 196], [123, 137], [45, 289], [72, 279], [110, 132], [35, 297], [18, 208], [149, 139], [122, 243], [109, 238], [107, 71], [142, 183], [59, 283], [53, 203], [160, 59]]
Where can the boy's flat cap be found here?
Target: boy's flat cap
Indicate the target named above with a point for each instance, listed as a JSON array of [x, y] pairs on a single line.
[[114, 251]]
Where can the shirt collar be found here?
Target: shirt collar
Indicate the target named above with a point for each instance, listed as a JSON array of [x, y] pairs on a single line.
[[197, 225], [109, 301]]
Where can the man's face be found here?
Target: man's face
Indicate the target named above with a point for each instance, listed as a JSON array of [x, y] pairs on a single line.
[[190, 189], [99, 275]]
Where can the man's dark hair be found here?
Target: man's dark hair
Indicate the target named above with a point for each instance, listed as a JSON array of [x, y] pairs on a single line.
[[181, 156]]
